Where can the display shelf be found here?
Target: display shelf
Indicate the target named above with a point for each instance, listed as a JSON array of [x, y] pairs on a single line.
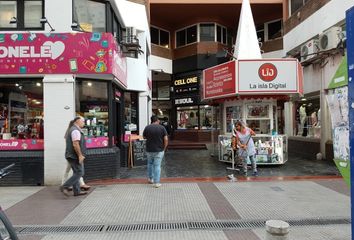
[[270, 149]]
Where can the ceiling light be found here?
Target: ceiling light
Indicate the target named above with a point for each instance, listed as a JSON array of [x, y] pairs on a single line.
[[89, 84], [38, 84]]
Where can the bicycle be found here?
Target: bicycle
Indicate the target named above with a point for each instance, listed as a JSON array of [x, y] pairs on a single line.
[[7, 231]]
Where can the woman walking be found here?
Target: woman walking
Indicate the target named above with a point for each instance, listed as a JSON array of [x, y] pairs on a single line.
[[246, 146]]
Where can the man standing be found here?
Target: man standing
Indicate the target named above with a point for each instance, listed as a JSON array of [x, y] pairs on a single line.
[[75, 153], [156, 145]]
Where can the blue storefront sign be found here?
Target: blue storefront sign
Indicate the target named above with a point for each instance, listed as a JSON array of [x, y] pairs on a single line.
[[350, 54]]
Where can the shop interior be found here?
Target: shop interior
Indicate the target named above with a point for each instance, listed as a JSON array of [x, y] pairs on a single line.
[[198, 117], [308, 117], [92, 104], [21, 109]]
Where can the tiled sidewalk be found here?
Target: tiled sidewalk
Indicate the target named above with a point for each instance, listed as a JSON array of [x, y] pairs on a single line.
[[177, 202]]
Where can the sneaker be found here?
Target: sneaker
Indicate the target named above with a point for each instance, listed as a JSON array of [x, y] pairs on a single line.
[[231, 176], [157, 185], [255, 174], [64, 190], [150, 180]]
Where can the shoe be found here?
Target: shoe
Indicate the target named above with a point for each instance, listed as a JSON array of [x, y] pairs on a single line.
[[70, 189], [64, 190], [80, 193], [150, 180], [85, 187], [255, 174], [231, 176], [157, 185]]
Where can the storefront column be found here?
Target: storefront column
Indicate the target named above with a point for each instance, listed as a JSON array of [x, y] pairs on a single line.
[[144, 111], [325, 121], [59, 109], [289, 118]]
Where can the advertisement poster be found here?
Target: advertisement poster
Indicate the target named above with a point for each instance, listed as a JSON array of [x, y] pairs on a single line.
[[337, 100]]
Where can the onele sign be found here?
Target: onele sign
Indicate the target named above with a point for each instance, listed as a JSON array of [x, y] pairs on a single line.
[[62, 53]]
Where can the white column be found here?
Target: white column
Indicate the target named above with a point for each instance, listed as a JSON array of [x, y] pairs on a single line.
[[289, 118], [59, 109], [145, 111]]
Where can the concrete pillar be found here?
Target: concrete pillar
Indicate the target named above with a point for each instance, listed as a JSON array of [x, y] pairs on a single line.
[[289, 118], [277, 230], [59, 109], [145, 111]]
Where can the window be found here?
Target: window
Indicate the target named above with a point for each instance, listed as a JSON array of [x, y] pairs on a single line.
[[221, 34], [161, 90], [274, 29], [27, 14], [296, 4], [92, 104], [160, 37], [90, 15], [21, 111], [186, 36], [207, 32], [270, 30], [130, 111]]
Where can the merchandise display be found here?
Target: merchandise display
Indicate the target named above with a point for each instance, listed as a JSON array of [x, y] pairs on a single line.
[[270, 149]]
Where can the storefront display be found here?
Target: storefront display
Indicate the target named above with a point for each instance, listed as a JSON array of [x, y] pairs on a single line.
[[308, 117], [21, 115], [270, 149]]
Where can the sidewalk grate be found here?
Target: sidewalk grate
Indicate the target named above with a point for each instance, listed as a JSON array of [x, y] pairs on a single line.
[[195, 225]]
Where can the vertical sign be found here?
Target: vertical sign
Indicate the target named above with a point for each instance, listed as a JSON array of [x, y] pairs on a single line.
[[350, 54]]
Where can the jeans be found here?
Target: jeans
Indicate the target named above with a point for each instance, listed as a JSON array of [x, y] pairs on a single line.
[[253, 163], [154, 165], [74, 180]]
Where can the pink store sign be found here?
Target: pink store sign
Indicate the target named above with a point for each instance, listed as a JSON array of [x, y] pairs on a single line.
[[22, 144], [62, 53], [98, 142]]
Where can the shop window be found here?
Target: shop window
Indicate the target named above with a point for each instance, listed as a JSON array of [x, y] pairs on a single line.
[[92, 104], [187, 117], [21, 110], [160, 37], [258, 118], [131, 111], [207, 32], [207, 118], [90, 15], [233, 113], [308, 116], [27, 14]]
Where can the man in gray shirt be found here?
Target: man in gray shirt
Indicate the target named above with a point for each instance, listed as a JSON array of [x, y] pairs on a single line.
[[156, 145]]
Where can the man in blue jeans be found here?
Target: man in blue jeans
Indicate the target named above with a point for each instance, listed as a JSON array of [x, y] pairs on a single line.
[[156, 144]]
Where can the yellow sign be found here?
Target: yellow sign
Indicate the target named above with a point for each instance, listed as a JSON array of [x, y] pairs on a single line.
[[184, 81]]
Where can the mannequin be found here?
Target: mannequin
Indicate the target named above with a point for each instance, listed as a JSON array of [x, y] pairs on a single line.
[[314, 119], [302, 112], [319, 117]]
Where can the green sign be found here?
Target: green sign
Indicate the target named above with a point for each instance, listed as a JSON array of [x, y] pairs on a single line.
[[340, 78]]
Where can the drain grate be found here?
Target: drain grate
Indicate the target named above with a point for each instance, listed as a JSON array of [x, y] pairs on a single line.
[[193, 225], [60, 229]]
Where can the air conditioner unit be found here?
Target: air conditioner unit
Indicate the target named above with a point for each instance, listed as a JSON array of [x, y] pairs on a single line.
[[309, 50], [330, 38], [130, 35]]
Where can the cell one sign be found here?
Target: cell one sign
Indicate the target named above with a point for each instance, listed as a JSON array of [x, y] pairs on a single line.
[[259, 76], [62, 53]]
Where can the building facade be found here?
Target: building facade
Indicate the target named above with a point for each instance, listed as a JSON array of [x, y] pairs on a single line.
[[91, 59]]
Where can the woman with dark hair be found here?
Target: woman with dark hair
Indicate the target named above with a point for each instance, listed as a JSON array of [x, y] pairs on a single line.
[[246, 149]]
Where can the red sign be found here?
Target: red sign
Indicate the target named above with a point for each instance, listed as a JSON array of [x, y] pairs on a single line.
[[267, 72], [22, 144], [219, 80]]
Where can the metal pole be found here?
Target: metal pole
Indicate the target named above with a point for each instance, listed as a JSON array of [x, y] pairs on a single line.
[[350, 55]]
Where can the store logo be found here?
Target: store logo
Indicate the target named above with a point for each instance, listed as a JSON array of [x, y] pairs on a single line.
[[49, 49], [184, 101], [267, 72]]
